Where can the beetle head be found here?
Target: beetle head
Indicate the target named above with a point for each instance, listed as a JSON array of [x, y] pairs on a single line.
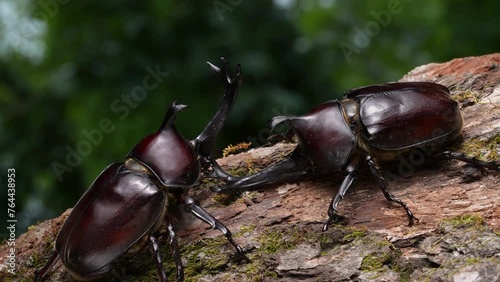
[[170, 157]]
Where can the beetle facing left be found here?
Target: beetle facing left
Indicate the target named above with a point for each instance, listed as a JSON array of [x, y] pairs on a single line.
[[373, 124]]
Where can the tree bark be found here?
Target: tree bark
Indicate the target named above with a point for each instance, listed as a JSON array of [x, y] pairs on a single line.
[[279, 226]]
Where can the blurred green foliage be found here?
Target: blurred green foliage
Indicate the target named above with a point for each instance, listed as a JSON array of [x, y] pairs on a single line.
[[65, 66]]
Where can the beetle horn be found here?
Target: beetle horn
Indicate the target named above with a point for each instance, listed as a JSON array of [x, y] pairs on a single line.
[[280, 119], [206, 140], [172, 112]]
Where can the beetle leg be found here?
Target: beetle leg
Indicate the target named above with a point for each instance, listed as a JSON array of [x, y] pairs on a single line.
[[217, 171], [294, 167], [42, 273], [494, 165], [332, 209], [155, 251], [193, 207], [383, 186], [206, 140], [175, 251]]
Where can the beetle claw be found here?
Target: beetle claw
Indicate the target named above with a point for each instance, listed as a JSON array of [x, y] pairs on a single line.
[[412, 220], [335, 218], [241, 257]]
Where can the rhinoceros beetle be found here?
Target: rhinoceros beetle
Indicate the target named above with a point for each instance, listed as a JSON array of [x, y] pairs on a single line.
[[372, 124], [126, 206]]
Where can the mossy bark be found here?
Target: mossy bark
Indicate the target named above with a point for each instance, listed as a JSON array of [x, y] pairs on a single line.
[[279, 226]]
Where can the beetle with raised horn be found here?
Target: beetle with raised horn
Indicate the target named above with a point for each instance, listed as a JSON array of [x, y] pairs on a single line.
[[126, 206]]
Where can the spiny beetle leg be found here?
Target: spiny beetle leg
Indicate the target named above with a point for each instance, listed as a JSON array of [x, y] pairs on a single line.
[[332, 209], [294, 167], [383, 186], [40, 274], [217, 171], [193, 207], [155, 252], [175, 251], [448, 155], [206, 140]]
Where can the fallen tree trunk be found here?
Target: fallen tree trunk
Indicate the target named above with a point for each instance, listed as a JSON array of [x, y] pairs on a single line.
[[456, 238]]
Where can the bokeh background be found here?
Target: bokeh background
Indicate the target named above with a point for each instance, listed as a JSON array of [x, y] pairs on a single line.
[[67, 66]]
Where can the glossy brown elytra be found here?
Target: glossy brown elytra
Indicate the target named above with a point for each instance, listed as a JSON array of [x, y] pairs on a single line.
[[372, 124], [126, 206]]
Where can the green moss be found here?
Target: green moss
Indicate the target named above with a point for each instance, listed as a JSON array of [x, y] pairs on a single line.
[[466, 96], [39, 257], [213, 255], [225, 199], [274, 241], [151, 275], [48, 247], [242, 170], [467, 221], [205, 257], [404, 272], [374, 262], [383, 257], [481, 148], [252, 195], [471, 261], [37, 260], [355, 234], [245, 229], [256, 270], [221, 199], [339, 234]]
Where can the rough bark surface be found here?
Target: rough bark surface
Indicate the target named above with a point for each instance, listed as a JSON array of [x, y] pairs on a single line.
[[279, 226]]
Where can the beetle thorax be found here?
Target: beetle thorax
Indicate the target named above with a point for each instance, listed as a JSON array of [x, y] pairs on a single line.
[[169, 156], [325, 136]]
